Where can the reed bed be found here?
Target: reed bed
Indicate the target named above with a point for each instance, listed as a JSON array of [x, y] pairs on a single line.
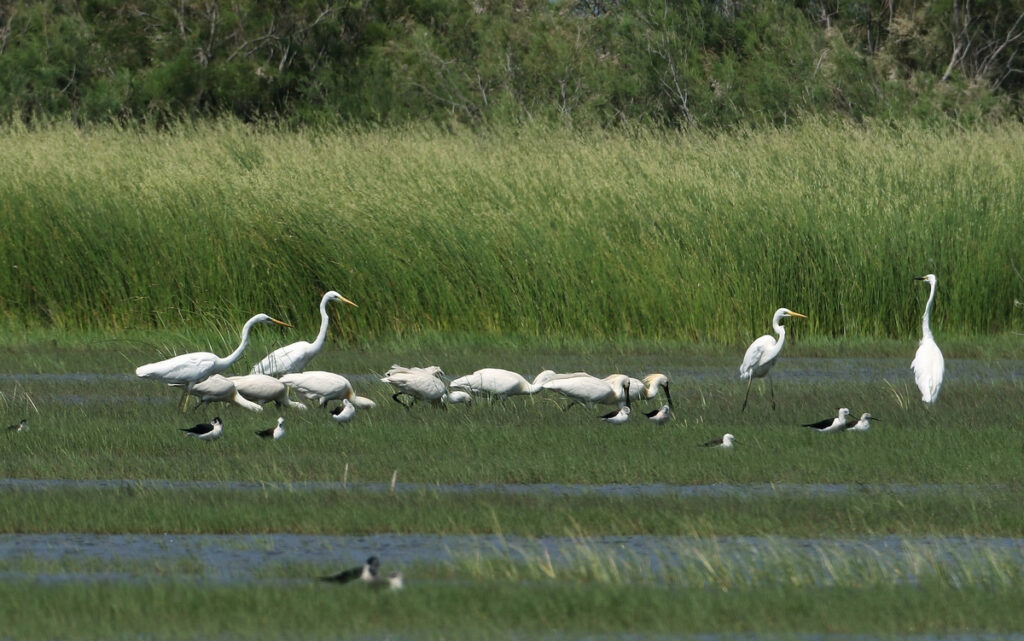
[[534, 233]]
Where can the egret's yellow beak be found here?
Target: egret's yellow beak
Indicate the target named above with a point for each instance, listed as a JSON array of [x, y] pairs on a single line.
[[343, 299], [797, 314], [281, 323]]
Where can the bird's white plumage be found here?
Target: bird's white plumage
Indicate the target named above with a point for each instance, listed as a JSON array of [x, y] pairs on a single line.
[[219, 389], [832, 424], [648, 388], [275, 432], [322, 386], [500, 383], [762, 353], [344, 412], [295, 357], [261, 388], [189, 369], [457, 397], [617, 418], [661, 414], [863, 424], [422, 384], [928, 364], [590, 390]]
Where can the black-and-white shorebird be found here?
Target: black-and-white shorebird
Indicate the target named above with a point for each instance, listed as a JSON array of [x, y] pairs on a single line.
[[206, 431], [275, 432], [366, 573], [831, 424], [344, 412], [659, 415], [862, 425], [393, 581], [725, 442], [617, 418], [20, 426]]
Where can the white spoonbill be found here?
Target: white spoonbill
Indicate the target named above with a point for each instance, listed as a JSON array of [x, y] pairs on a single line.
[[261, 388], [457, 397], [295, 357], [500, 383], [589, 390], [206, 431], [189, 369], [420, 384], [761, 355], [648, 388], [831, 424], [928, 364], [325, 386], [275, 432], [220, 389]]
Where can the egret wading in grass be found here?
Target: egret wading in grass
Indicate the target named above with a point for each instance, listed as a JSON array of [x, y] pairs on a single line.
[[835, 424], [189, 369], [762, 353], [366, 572], [275, 432], [295, 357], [261, 389], [417, 383], [725, 442], [500, 383], [928, 364], [219, 389], [863, 424], [344, 412], [206, 431], [659, 415], [20, 426], [325, 386]]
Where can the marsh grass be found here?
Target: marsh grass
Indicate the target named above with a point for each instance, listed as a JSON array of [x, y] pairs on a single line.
[[687, 237]]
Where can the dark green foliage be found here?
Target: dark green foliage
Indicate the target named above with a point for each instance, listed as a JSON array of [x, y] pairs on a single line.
[[579, 62]]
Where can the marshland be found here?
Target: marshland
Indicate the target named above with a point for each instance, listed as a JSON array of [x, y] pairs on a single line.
[[634, 252]]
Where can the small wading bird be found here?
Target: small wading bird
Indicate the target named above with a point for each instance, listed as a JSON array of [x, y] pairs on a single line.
[[659, 415], [418, 383], [344, 412], [763, 352], [862, 425], [189, 369], [724, 442], [928, 364], [617, 418], [275, 432], [457, 397], [261, 388], [218, 389], [500, 383], [366, 572], [206, 431], [832, 424], [20, 426], [295, 357], [325, 386]]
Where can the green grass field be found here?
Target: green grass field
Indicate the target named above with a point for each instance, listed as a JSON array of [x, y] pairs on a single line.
[[627, 252]]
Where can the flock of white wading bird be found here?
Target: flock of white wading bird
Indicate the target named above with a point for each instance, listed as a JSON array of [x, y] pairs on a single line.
[[198, 373], [270, 380]]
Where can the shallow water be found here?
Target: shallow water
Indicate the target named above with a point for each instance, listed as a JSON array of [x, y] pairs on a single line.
[[242, 557]]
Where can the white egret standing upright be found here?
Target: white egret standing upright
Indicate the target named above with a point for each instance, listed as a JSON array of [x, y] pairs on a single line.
[[189, 369], [295, 357], [928, 364], [761, 355]]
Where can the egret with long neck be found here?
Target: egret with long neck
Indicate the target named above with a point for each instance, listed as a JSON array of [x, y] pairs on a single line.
[[761, 355], [295, 357], [928, 364]]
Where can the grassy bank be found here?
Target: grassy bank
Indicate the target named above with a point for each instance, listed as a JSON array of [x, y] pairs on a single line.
[[687, 237]]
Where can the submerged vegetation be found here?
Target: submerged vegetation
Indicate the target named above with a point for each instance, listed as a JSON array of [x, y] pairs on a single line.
[[687, 237]]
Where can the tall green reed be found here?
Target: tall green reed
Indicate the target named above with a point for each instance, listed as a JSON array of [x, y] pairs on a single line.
[[684, 236]]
